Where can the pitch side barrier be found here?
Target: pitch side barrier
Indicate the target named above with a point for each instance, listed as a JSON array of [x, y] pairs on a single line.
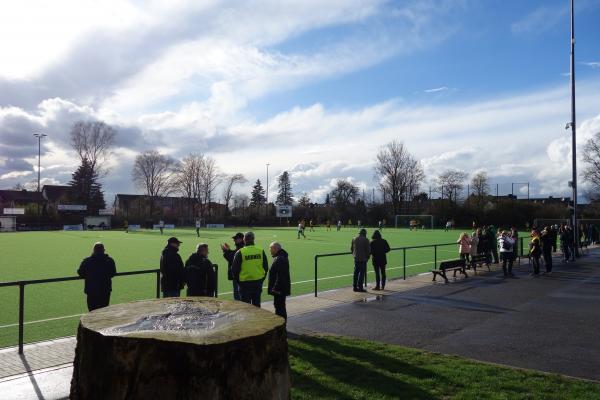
[[434, 257], [22, 284]]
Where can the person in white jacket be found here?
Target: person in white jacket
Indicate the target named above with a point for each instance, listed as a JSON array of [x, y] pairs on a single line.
[[507, 256]]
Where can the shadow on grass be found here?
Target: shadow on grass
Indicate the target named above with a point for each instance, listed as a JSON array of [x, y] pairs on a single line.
[[328, 368]]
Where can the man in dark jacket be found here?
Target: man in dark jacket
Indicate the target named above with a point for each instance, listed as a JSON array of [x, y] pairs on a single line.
[[379, 249], [280, 284], [171, 269], [547, 239], [199, 273], [97, 270], [228, 254], [361, 250]]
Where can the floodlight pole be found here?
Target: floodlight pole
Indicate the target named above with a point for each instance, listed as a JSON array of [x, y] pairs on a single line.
[[573, 136], [267, 205], [39, 136]]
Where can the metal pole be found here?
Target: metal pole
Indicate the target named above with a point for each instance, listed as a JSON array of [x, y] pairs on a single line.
[[158, 284], [574, 141], [267, 205], [434, 256], [404, 262], [21, 315], [216, 280], [316, 276]]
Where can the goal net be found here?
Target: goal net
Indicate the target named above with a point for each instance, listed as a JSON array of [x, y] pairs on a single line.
[[8, 224], [414, 221], [101, 222]]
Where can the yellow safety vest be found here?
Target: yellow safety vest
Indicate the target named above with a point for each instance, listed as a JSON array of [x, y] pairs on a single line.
[[252, 264]]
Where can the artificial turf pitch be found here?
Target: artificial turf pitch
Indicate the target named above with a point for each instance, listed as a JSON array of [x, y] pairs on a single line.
[[52, 310]]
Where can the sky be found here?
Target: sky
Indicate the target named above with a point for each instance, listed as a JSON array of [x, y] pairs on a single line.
[[311, 87]]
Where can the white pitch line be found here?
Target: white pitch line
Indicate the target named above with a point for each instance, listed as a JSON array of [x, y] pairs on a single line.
[[264, 287]]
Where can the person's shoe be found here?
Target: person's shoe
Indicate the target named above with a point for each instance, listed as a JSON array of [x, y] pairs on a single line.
[[361, 290], [355, 289], [512, 275], [376, 288]]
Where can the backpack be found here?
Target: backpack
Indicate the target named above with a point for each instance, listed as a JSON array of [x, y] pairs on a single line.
[[506, 245]]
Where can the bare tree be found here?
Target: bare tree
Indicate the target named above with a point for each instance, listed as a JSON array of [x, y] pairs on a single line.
[[398, 172], [450, 182], [187, 179], [210, 177], [154, 172], [344, 193], [230, 182], [591, 156], [481, 186], [92, 141]]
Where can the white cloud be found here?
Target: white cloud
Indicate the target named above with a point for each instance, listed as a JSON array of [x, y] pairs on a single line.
[[592, 64], [436, 90]]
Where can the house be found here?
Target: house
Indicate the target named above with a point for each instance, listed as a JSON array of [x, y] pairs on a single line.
[[20, 199]]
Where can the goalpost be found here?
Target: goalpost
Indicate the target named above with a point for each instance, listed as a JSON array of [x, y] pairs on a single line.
[[8, 223], [93, 222], [414, 221]]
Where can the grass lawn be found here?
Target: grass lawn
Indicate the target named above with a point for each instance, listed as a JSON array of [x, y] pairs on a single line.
[[51, 310], [343, 368]]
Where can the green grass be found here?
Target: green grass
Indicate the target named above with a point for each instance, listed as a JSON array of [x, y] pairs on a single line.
[[35, 255], [343, 368]]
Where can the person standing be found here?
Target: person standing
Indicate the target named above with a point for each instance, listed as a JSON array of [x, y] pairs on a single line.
[[279, 284], [546, 241], [535, 251], [311, 226], [514, 235], [301, 229], [250, 269], [328, 224], [228, 254], [474, 243], [492, 243], [199, 274], [198, 224], [464, 246], [507, 255], [379, 248], [97, 271], [171, 269], [361, 251], [161, 226], [339, 225]]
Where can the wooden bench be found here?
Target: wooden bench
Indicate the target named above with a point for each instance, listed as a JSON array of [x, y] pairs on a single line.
[[453, 265], [478, 261]]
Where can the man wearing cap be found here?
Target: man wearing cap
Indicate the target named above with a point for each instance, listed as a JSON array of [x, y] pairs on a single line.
[[171, 269], [199, 273], [250, 269], [228, 254], [97, 270], [361, 250]]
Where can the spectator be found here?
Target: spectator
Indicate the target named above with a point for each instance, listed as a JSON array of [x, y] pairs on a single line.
[[379, 249], [492, 232], [97, 270], [481, 242], [279, 284], [199, 273], [474, 243], [535, 251], [507, 254], [228, 254], [464, 246], [546, 239], [161, 226], [554, 237], [360, 249], [171, 269], [198, 225], [250, 268], [514, 235], [564, 242]]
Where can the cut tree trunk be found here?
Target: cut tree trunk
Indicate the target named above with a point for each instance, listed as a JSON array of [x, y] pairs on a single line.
[[181, 348]]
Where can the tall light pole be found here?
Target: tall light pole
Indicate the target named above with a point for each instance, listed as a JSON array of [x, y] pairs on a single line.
[[39, 136], [267, 205], [573, 135]]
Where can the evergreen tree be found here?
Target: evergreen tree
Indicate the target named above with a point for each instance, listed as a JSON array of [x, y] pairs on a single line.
[[327, 199], [257, 197], [85, 188], [284, 194]]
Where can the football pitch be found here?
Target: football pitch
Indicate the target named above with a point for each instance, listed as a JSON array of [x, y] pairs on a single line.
[[52, 310]]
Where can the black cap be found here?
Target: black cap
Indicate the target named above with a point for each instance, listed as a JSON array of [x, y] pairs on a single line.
[[173, 240], [238, 235]]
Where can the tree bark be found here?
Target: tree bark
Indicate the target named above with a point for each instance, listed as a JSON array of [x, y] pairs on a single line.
[[189, 348]]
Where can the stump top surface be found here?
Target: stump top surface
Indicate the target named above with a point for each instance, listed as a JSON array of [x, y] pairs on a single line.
[[199, 320]]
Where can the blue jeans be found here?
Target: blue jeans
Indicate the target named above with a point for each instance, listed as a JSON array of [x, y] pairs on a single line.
[[171, 293], [360, 271], [250, 292], [236, 290]]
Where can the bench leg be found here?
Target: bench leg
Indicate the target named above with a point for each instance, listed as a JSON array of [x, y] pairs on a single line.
[[465, 273], [445, 277]]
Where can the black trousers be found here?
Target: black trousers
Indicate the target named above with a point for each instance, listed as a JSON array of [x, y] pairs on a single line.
[[379, 275], [279, 303], [98, 300], [507, 262], [250, 292], [495, 254], [548, 260], [535, 261]]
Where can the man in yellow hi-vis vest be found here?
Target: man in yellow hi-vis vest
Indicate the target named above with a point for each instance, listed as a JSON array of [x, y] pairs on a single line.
[[250, 268]]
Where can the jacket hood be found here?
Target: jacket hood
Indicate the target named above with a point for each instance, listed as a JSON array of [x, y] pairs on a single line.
[[282, 253], [170, 248], [376, 235]]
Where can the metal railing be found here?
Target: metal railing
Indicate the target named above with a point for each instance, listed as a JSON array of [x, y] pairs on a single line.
[[519, 254], [22, 284]]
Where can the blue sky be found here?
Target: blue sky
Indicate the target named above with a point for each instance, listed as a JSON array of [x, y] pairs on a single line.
[[309, 86]]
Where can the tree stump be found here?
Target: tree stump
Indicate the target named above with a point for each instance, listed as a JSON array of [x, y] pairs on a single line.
[[181, 348]]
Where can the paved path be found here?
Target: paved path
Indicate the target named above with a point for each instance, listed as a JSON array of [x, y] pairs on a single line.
[[549, 323]]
